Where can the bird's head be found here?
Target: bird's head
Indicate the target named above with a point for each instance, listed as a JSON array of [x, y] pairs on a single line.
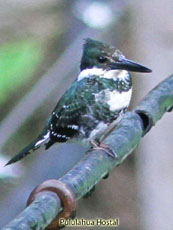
[[100, 55]]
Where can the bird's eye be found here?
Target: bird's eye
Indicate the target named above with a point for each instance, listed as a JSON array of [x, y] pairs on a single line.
[[102, 59]]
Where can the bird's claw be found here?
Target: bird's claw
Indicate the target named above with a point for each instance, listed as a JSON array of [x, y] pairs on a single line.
[[100, 146]]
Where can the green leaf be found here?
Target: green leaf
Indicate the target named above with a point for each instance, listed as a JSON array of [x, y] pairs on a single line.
[[18, 62]]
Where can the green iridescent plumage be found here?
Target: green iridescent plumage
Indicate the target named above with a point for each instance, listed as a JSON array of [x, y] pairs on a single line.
[[79, 107], [99, 95]]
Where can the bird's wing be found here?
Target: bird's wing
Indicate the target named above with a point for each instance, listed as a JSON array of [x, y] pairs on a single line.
[[76, 101], [63, 123]]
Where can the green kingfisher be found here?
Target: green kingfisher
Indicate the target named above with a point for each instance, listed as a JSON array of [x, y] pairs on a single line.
[[99, 96]]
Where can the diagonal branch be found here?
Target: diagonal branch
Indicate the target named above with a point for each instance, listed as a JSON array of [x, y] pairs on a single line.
[[96, 164]]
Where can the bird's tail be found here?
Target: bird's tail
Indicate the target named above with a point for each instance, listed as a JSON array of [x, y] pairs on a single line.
[[40, 140]]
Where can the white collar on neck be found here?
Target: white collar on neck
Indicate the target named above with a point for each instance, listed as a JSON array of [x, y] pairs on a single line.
[[109, 74], [90, 72]]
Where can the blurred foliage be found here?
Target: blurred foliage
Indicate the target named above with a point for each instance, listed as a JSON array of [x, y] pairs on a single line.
[[18, 61]]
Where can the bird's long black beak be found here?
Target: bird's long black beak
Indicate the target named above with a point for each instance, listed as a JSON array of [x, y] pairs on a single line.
[[129, 65]]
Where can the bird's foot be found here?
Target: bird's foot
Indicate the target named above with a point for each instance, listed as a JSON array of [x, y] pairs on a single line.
[[100, 146]]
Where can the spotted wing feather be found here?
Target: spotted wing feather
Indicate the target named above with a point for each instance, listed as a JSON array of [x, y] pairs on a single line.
[[63, 124], [78, 108]]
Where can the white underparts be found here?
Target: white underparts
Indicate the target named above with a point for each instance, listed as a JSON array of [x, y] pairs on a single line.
[[117, 100]]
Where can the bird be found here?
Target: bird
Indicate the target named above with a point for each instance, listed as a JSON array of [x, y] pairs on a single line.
[[99, 96]]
